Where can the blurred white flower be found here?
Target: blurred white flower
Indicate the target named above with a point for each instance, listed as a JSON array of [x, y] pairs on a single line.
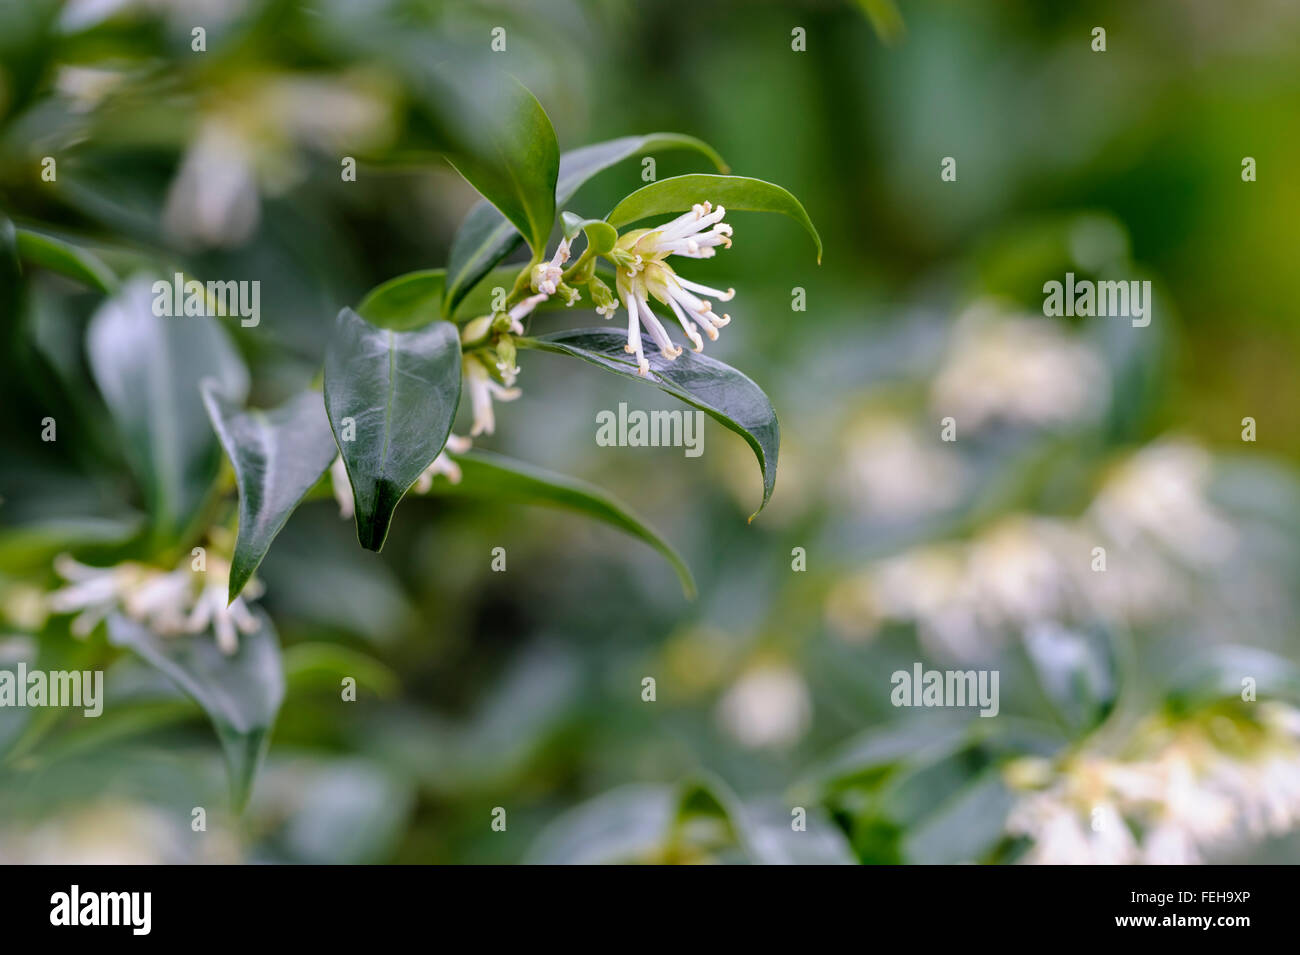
[[114, 833], [1177, 795], [1019, 571], [965, 596], [769, 706], [1153, 514], [86, 87], [169, 603], [892, 473], [247, 142], [929, 585], [213, 201], [1018, 370], [1160, 495], [342, 487], [442, 464]]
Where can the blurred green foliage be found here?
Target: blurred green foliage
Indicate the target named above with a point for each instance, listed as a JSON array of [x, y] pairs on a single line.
[[523, 690]]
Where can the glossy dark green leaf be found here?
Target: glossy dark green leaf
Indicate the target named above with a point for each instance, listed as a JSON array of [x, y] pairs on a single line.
[[485, 238], [498, 478], [500, 139], [11, 284], [277, 455], [241, 693], [399, 392], [148, 369], [66, 259], [720, 391], [405, 302], [737, 193]]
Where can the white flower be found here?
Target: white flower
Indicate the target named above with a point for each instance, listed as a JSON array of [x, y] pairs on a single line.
[[167, 602], [87, 87], [248, 141], [643, 273], [442, 464], [1177, 788], [342, 486], [768, 707], [891, 471], [227, 621], [546, 277], [1023, 371], [213, 201], [1161, 495], [482, 389]]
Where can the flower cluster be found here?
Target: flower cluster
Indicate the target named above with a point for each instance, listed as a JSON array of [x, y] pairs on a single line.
[[1188, 787], [966, 596], [644, 273], [640, 257], [168, 602]]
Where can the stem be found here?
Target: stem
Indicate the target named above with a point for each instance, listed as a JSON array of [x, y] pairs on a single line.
[[521, 281], [583, 259]]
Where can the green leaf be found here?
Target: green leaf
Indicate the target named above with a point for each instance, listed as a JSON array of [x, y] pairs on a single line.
[[278, 455], [11, 283], [407, 301], [66, 259], [148, 369], [885, 19], [499, 479], [1078, 671], [485, 238], [625, 825], [737, 193], [241, 693], [496, 135], [29, 547], [400, 391], [1215, 674], [764, 828], [965, 827], [579, 165], [601, 236], [322, 665], [718, 390]]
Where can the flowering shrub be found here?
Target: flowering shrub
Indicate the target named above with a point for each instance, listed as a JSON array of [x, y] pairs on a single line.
[[298, 313]]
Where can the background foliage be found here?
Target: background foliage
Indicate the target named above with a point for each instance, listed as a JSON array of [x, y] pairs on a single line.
[[522, 689]]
